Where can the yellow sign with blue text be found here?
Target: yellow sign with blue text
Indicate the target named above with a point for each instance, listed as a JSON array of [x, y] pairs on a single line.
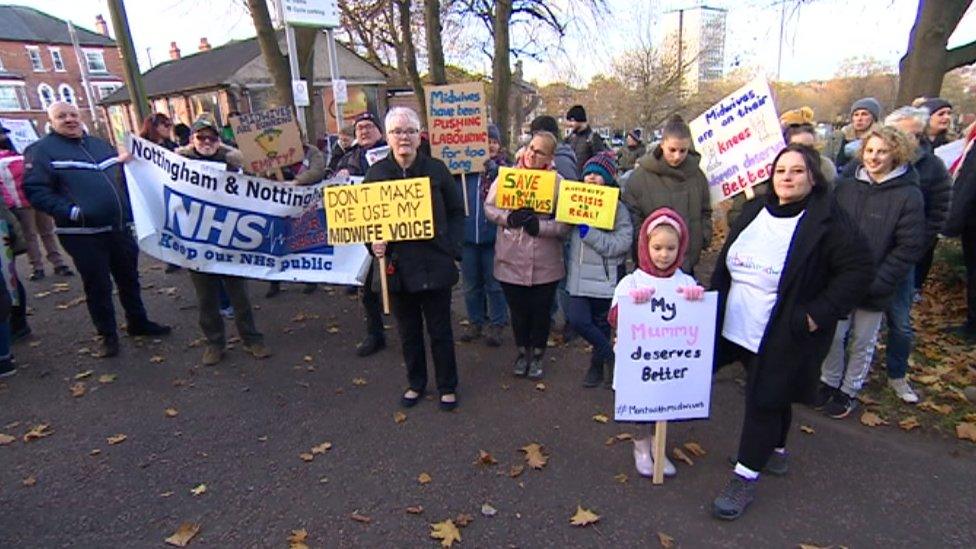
[[587, 204]]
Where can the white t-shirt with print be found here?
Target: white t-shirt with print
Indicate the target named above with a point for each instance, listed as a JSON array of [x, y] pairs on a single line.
[[755, 262]]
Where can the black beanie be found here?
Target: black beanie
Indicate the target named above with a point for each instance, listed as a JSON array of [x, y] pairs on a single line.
[[577, 113]]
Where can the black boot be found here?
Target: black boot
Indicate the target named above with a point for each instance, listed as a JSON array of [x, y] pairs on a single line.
[[274, 289], [535, 365], [370, 345], [147, 327], [595, 374], [107, 347], [522, 362], [608, 372]]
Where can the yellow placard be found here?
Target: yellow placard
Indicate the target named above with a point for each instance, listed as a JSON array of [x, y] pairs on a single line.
[[587, 204], [385, 210], [268, 139], [519, 188]]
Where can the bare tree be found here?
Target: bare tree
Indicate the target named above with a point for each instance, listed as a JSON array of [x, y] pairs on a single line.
[[268, 41], [435, 51], [926, 61]]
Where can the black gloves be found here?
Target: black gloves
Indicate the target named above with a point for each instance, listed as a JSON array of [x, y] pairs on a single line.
[[526, 218]]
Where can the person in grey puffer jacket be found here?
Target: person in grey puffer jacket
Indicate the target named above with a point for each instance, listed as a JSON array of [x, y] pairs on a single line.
[[886, 203], [592, 274]]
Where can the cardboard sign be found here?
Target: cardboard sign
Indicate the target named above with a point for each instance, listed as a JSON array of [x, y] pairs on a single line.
[[386, 210], [21, 133], [519, 188], [268, 139], [456, 116], [587, 204], [738, 138], [664, 356]]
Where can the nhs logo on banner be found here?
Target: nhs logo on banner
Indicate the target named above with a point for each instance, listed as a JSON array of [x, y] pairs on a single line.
[[204, 222]]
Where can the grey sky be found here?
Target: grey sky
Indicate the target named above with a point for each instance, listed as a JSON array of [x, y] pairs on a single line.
[[819, 36]]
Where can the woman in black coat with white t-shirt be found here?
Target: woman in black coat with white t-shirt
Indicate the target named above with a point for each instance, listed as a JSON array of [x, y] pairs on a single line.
[[792, 266]]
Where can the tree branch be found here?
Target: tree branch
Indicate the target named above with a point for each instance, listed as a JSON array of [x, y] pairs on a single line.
[[961, 56]]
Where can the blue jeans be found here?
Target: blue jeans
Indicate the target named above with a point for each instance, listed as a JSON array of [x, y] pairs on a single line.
[[900, 334], [588, 316], [483, 296]]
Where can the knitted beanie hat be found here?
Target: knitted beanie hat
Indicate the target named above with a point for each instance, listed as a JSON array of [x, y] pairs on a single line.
[[604, 164], [869, 104], [577, 113], [935, 105]]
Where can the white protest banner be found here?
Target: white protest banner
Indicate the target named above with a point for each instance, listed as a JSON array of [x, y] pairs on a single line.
[[738, 138], [193, 214], [21, 132], [664, 355]]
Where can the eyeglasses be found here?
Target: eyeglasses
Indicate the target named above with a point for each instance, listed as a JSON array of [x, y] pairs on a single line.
[[405, 132], [206, 138], [537, 152]]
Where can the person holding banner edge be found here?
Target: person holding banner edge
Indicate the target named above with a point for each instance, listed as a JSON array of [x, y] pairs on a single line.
[[205, 144], [792, 266], [529, 261], [78, 180], [424, 270], [354, 163]]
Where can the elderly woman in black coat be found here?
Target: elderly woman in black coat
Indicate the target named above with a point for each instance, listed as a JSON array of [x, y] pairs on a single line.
[[426, 269], [792, 266]]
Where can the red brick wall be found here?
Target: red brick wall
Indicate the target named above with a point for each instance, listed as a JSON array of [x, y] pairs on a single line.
[[15, 59]]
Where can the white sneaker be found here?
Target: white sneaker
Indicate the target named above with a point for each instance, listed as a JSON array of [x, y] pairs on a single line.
[[643, 461], [903, 390]]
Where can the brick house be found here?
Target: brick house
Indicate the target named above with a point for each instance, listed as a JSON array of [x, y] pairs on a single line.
[[38, 65]]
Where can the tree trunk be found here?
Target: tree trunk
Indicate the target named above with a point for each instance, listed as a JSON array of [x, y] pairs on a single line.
[[926, 61], [435, 51], [410, 58], [276, 61], [501, 72], [305, 48]]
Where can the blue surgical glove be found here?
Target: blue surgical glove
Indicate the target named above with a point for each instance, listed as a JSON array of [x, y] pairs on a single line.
[[583, 229]]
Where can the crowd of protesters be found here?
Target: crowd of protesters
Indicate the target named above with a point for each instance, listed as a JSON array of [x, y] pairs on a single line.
[[816, 258]]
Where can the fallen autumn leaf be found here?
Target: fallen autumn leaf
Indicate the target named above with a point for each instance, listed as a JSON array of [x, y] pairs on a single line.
[[534, 456], [667, 542], [583, 517], [424, 478], [182, 536], [445, 531], [872, 419], [116, 439]]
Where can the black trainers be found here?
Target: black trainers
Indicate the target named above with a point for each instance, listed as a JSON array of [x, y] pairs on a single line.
[[370, 345], [63, 270], [824, 394], [521, 366], [778, 464], [535, 365], [171, 268], [493, 335], [7, 368], [839, 406], [17, 334], [310, 288], [734, 500], [148, 328]]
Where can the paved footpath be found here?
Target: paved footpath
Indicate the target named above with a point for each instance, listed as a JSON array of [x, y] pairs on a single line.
[[242, 424]]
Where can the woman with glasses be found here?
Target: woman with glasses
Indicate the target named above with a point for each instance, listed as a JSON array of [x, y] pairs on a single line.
[[158, 128], [422, 272], [529, 261], [205, 145]]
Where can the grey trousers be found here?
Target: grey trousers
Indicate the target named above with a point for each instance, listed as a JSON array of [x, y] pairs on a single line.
[[207, 287], [862, 326]]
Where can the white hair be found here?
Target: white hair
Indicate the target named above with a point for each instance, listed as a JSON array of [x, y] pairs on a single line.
[[920, 115], [57, 105], [404, 112]]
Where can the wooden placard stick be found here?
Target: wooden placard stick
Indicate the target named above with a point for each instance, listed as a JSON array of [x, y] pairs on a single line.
[[384, 287], [659, 451], [464, 193]]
